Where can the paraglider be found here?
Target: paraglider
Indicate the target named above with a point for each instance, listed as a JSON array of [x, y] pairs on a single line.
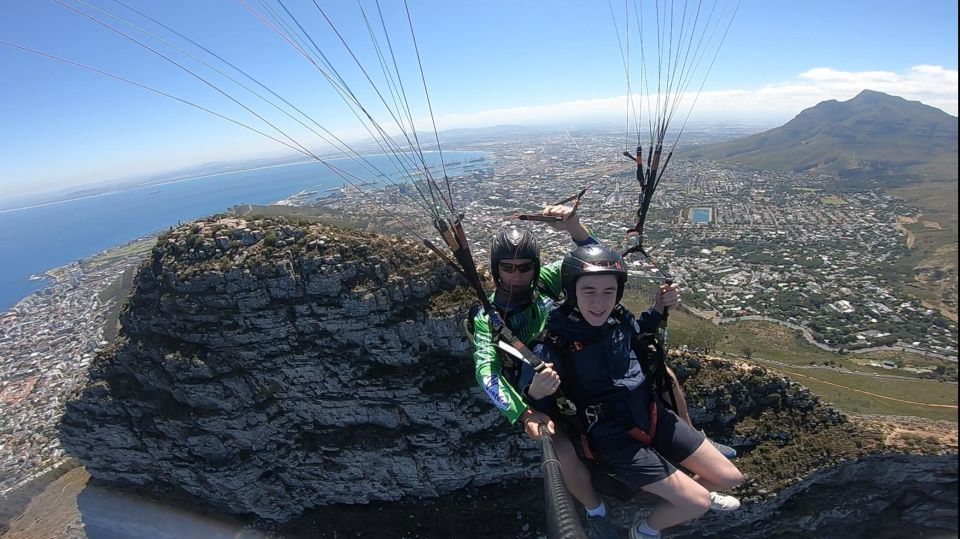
[[684, 37]]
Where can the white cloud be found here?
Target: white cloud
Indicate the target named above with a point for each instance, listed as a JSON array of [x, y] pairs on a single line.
[[776, 102]]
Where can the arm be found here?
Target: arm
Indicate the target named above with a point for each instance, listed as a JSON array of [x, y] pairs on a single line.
[[667, 297], [549, 281], [571, 223], [539, 389], [488, 371]]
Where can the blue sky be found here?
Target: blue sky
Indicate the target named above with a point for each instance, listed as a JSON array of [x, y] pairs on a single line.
[[486, 63]]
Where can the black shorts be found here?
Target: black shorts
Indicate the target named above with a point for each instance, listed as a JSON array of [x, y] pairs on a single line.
[[637, 464]]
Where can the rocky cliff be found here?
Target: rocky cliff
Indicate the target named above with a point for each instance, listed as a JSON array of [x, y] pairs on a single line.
[[269, 367]]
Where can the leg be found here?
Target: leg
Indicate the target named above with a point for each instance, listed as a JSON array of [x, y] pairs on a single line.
[[683, 500], [716, 471], [576, 476]]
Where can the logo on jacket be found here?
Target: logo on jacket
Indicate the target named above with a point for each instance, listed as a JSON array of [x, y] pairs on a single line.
[[491, 384]]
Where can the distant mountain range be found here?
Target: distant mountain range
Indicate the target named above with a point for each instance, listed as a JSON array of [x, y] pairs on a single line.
[[873, 134]]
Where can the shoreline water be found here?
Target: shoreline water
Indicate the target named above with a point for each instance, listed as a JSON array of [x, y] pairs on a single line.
[[55, 233]]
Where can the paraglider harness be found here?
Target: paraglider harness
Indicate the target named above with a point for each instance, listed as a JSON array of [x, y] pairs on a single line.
[[578, 416], [510, 366]]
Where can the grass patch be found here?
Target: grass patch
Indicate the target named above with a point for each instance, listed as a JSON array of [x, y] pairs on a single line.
[[774, 342], [870, 392], [301, 214], [140, 247], [874, 395]]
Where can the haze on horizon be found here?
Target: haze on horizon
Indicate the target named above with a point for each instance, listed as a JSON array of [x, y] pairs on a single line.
[[496, 63]]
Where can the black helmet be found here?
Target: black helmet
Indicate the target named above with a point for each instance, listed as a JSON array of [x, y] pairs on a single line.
[[594, 259], [514, 242]]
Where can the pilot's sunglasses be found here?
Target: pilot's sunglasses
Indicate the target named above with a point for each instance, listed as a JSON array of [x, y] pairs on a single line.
[[510, 268]]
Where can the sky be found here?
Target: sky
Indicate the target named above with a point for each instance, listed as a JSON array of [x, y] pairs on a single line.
[[484, 63]]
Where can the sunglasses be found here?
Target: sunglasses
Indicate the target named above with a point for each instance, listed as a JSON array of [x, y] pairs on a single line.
[[510, 268]]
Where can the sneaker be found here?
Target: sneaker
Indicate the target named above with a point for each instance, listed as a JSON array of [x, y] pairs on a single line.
[[724, 450], [722, 502], [637, 534], [600, 528]]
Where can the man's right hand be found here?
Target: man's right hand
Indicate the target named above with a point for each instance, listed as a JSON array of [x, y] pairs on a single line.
[[532, 420]]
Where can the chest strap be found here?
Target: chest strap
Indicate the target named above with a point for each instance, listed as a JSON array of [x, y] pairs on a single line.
[[580, 417]]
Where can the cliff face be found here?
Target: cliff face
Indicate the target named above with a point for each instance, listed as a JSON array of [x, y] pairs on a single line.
[[877, 497], [268, 369]]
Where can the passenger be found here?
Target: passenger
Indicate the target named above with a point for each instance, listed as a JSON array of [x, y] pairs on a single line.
[[600, 360]]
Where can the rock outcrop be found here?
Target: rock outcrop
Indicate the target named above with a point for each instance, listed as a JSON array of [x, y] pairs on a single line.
[[877, 497], [269, 368]]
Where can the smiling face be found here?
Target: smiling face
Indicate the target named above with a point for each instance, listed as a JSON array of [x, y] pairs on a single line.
[[596, 297], [516, 273]]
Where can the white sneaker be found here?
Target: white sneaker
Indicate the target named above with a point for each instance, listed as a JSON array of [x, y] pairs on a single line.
[[637, 534], [723, 502]]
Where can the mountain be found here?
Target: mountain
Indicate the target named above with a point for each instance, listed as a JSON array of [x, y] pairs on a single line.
[[873, 134], [299, 372]]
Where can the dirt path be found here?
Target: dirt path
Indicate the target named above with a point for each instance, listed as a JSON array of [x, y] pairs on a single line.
[[927, 404], [902, 220]]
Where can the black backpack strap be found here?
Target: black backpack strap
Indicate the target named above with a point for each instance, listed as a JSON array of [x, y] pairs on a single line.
[[469, 326], [653, 360]]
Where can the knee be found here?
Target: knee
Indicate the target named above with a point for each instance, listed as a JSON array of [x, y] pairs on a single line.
[[730, 478], [699, 502], [692, 499]]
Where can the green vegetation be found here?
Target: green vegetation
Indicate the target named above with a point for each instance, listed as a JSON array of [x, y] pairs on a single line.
[[304, 215], [875, 395], [843, 139], [785, 350], [869, 390], [137, 247]]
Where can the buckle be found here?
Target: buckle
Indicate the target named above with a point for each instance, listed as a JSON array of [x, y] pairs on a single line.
[[565, 406], [592, 413]]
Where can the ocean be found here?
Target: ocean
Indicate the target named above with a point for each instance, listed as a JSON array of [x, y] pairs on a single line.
[[45, 236]]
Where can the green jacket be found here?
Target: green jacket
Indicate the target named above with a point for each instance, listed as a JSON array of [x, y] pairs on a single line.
[[498, 382]]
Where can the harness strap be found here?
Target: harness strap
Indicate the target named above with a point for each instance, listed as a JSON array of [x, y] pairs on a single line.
[[581, 417], [639, 435], [585, 446]]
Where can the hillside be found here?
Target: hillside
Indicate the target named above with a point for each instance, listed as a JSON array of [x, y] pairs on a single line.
[[875, 140], [872, 135]]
